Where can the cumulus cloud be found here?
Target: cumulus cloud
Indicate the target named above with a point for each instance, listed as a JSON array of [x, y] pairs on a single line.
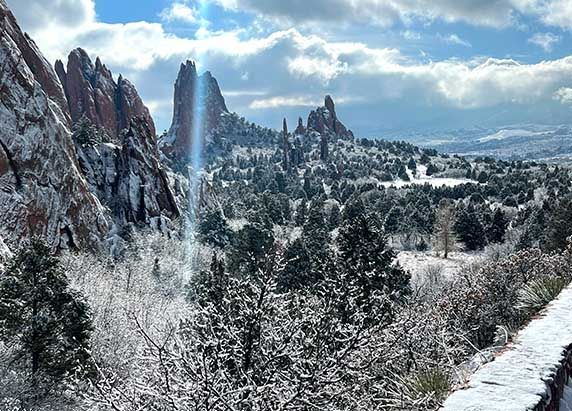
[[39, 14], [297, 101], [546, 41], [557, 13], [491, 13], [563, 95], [497, 13], [180, 12]]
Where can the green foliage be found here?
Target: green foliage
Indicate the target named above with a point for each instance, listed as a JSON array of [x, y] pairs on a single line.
[[316, 236], [335, 217], [298, 272], [367, 279], [470, 230], [47, 322], [213, 229], [497, 229], [86, 134], [489, 297], [432, 383], [536, 295], [559, 226], [249, 248]]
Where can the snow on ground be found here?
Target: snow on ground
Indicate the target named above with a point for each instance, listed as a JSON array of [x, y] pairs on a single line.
[[516, 379], [421, 178], [418, 263]]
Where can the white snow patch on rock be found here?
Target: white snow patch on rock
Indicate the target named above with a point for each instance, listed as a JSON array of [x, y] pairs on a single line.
[[517, 379]]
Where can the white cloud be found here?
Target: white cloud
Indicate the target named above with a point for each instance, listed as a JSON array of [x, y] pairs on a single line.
[[557, 13], [243, 93], [37, 14], [455, 39], [491, 13], [275, 102], [411, 35], [497, 13], [180, 12], [546, 41], [326, 70], [297, 101], [563, 95]]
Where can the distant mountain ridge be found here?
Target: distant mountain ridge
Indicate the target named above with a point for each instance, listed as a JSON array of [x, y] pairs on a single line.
[[518, 142]]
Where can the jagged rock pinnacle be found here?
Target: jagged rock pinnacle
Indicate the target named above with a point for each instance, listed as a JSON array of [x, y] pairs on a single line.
[[92, 93], [324, 120]]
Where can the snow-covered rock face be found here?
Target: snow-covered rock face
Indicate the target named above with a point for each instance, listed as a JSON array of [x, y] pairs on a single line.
[[42, 190], [129, 179], [117, 151], [92, 93], [190, 90]]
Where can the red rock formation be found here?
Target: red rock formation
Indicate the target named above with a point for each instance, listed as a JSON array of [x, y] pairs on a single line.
[[197, 98], [324, 120], [130, 107], [91, 92], [35, 61], [43, 192]]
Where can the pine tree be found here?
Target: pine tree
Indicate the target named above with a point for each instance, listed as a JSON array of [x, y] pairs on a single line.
[[367, 279], [412, 165], [316, 236], [324, 147], [301, 213], [559, 226], [249, 248], [213, 229], [469, 229], [298, 271], [498, 227], [443, 231], [394, 220], [210, 286], [534, 229], [335, 216], [47, 322], [432, 169]]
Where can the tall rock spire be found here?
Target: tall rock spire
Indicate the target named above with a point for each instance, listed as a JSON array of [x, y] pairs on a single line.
[[285, 147], [197, 99], [300, 130]]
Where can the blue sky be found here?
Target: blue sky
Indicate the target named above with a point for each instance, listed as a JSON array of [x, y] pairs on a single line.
[[392, 66]]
